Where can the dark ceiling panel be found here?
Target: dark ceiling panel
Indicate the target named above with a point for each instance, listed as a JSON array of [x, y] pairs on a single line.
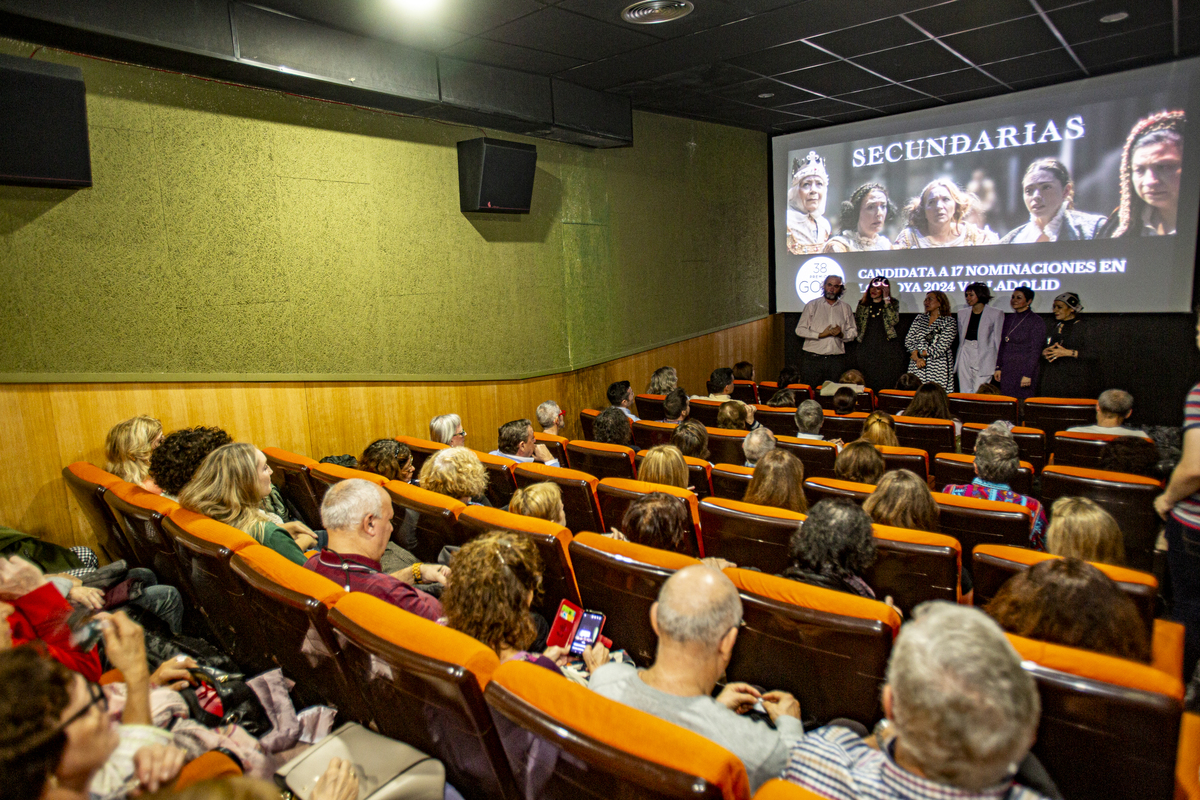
[[784, 58], [839, 77], [499, 54], [913, 105], [1006, 40], [707, 77], [707, 14], [948, 83], [476, 16], [1127, 50], [853, 116], [781, 93], [1040, 65], [881, 35], [799, 125], [912, 61], [889, 95], [374, 20], [965, 15], [1082, 23], [557, 31], [822, 107]]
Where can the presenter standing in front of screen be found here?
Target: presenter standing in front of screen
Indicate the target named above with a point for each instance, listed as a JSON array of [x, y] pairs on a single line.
[[930, 342], [1065, 373], [826, 324], [1022, 340], [807, 228], [979, 328]]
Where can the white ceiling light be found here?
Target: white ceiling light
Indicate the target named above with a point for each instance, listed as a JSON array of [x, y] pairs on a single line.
[[653, 12], [1119, 16], [416, 7]]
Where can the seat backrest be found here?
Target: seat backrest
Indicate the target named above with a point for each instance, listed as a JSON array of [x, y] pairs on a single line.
[[578, 493], [746, 534], [421, 449], [802, 391], [651, 434], [1129, 498], [292, 472], [779, 420], [912, 459], [650, 406], [557, 445], [984, 408], [1124, 715], [951, 468], [1054, 414], [931, 435], [992, 565], [975, 522], [426, 684], [437, 517], [746, 391], [601, 460], [617, 494], [779, 789], [704, 411], [818, 489], [828, 648], [501, 483], [88, 483], [573, 743], [322, 476], [914, 566], [730, 480], [140, 515], [621, 580], [558, 578], [587, 421], [725, 446], [893, 401], [847, 427], [1079, 449], [1031, 443], [817, 455]]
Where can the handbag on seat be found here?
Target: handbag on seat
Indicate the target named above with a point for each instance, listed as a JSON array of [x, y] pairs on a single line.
[[387, 769]]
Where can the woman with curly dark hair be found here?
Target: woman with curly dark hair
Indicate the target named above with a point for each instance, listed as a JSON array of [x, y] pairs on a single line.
[[833, 547], [612, 427], [389, 458], [862, 219], [176, 459]]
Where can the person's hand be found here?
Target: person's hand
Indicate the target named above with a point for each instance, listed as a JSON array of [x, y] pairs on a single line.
[[156, 765], [749, 415], [892, 603], [297, 528], [434, 573], [835, 330], [339, 782], [174, 673], [1162, 505], [5, 631], [717, 563], [125, 645], [996, 374], [914, 355], [617, 536], [781, 704], [595, 655], [74, 581], [920, 363], [558, 654], [18, 578], [87, 597], [1026, 382], [739, 697], [827, 332], [838, 442], [305, 541], [542, 453]]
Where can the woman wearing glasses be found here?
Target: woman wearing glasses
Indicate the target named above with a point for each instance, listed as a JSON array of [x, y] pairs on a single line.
[[881, 355]]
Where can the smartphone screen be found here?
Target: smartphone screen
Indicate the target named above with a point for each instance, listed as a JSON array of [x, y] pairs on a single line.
[[588, 631]]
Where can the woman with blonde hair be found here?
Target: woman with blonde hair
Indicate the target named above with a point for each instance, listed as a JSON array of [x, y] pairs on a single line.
[[128, 447], [456, 472], [541, 501], [778, 482], [734, 415], [230, 486], [938, 218], [903, 500], [880, 428], [664, 464], [663, 381], [1079, 528]]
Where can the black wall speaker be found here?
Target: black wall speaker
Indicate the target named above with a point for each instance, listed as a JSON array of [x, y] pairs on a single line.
[[495, 175], [43, 117]]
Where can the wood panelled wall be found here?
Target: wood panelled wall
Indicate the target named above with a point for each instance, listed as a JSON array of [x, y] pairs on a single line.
[[48, 426]]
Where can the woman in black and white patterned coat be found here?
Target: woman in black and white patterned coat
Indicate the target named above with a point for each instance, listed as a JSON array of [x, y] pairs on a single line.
[[930, 342]]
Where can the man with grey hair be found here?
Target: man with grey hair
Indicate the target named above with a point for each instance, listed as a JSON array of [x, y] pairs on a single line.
[[757, 444], [962, 713], [357, 514], [809, 418], [448, 429], [1113, 407], [517, 443], [550, 417], [997, 459], [697, 617]]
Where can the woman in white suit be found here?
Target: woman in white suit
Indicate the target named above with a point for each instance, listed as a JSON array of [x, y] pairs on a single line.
[[979, 327]]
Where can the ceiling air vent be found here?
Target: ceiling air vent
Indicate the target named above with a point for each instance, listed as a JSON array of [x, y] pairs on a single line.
[[652, 12]]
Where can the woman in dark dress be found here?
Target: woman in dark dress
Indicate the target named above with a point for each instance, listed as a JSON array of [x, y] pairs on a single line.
[[1021, 341], [1066, 371], [881, 355]]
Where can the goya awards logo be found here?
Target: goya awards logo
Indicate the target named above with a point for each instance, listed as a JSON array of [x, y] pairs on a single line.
[[810, 279]]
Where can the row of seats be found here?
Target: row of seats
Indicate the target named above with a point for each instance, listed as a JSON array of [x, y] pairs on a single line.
[[444, 692]]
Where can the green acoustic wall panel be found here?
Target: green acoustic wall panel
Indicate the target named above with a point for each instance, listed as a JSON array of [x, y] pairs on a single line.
[[238, 233]]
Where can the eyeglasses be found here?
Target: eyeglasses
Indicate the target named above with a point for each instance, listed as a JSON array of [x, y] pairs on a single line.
[[97, 697]]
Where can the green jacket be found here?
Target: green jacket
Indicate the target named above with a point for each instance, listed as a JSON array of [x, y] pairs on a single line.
[[891, 318], [49, 557]]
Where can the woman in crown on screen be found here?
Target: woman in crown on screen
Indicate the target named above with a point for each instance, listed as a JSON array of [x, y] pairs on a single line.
[[807, 228], [1151, 171], [1049, 195], [937, 219], [862, 221]]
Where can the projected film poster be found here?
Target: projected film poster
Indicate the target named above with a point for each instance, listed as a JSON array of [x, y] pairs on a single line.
[[1086, 187]]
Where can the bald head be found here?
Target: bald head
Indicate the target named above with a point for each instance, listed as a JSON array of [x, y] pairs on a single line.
[[697, 606]]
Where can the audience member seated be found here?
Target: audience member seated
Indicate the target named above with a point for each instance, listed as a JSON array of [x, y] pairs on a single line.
[[1081, 529], [128, 447], [696, 619], [908, 382], [987, 388], [1132, 455], [691, 437], [961, 712], [903, 500], [663, 381], [860, 462], [32, 609], [389, 459], [833, 547], [1113, 407], [1069, 602], [851, 379], [996, 462], [664, 464], [656, 520], [230, 486], [778, 482], [932, 402], [880, 429], [734, 415], [757, 444], [612, 427], [179, 455], [491, 588], [540, 500], [675, 406], [720, 385], [448, 429], [809, 419], [783, 398], [620, 396], [844, 401], [516, 442], [787, 376], [550, 417], [456, 472], [743, 371], [357, 514]]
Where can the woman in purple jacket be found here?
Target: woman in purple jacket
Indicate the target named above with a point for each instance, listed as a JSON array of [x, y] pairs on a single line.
[[1021, 341]]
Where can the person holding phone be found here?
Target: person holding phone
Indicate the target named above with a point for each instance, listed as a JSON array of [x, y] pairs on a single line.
[[880, 348]]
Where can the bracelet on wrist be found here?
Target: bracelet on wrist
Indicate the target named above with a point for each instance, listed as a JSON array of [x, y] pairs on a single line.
[[417, 572]]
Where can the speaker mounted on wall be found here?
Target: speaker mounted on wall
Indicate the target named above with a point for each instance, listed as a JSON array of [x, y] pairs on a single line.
[[43, 117], [495, 176]]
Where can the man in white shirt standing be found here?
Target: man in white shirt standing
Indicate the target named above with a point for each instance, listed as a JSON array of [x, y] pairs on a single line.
[[826, 324]]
